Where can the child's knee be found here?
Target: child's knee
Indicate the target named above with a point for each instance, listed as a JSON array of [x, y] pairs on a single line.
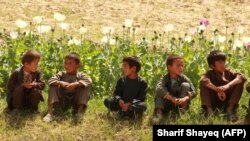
[[185, 85], [108, 102], [142, 106]]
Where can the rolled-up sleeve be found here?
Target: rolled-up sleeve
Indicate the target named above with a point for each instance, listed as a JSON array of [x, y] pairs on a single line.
[[239, 75], [204, 81], [55, 78], [84, 80]]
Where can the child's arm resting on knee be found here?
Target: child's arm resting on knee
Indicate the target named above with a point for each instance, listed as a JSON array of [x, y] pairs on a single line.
[[205, 81], [84, 80], [236, 81], [161, 89], [55, 80], [238, 78]]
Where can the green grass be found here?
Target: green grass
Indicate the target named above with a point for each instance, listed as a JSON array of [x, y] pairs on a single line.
[[97, 123]]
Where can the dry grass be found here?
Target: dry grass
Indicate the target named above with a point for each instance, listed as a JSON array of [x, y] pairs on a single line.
[[97, 123], [98, 13]]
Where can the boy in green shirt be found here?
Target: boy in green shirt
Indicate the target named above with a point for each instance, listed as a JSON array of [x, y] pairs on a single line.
[[174, 90]]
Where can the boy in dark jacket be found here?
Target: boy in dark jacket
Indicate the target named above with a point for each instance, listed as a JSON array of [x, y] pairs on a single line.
[[130, 91], [26, 84]]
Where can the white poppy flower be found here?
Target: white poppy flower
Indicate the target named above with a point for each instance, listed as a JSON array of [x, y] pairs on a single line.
[[240, 29], [38, 19], [21, 23], [59, 17], [201, 28], [83, 30], [108, 30], [245, 39], [221, 38], [237, 43], [109, 40], [168, 27], [43, 28], [74, 41], [64, 26], [14, 35], [188, 39], [128, 23]]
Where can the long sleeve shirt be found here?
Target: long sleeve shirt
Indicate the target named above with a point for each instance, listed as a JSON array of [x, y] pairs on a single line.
[[82, 78], [164, 86], [131, 90]]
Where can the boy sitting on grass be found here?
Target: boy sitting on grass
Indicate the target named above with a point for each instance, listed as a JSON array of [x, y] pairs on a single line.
[[174, 91], [221, 88], [26, 84], [69, 88], [130, 91]]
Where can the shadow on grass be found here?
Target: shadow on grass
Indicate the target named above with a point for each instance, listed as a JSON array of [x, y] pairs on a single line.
[[116, 121], [63, 115], [17, 120]]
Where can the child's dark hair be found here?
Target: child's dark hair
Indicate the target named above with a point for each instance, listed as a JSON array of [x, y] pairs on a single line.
[[133, 61], [171, 58], [29, 56], [215, 56], [73, 55]]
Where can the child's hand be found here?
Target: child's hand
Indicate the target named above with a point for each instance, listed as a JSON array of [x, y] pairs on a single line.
[[125, 107], [34, 83], [183, 101], [174, 100], [121, 103], [224, 88], [63, 84], [219, 90], [27, 85], [222, 96], [71, 86]]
